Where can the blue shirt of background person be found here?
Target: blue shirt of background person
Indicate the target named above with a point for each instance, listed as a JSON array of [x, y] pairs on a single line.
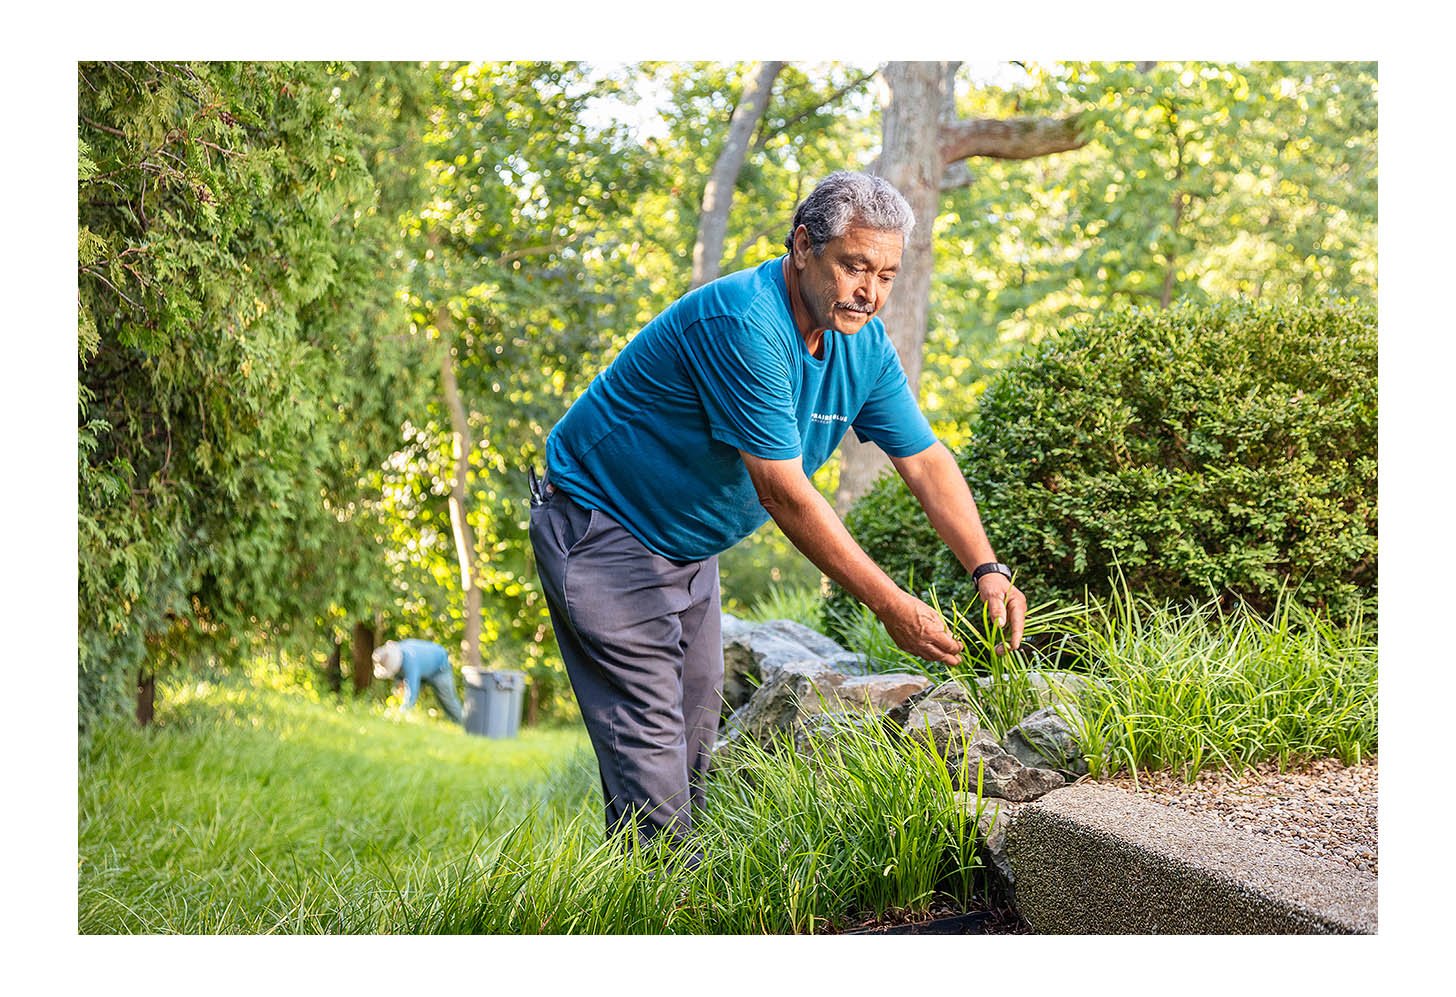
[[724, 369], [414, 661]]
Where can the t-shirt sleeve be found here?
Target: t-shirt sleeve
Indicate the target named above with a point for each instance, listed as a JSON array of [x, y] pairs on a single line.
[[411, 676], [890, 416], [743, 380]]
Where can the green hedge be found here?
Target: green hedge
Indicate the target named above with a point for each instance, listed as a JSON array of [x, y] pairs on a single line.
[[1226, 450]]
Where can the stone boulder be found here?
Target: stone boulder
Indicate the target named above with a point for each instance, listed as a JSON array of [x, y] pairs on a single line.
[[777, 705], [784, 681], [993, 819], [946, 720], [878, 693], [800, 690], [755, 653], [1048, 739], [821, 729]]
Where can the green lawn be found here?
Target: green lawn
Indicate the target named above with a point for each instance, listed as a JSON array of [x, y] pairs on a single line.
[[249, 810]]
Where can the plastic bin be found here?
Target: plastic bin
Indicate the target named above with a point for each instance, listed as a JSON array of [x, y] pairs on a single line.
[[492, 702]]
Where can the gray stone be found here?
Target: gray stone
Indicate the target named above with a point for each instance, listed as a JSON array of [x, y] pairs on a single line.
[[1047, 739], [733, 626], [753, 655], [970, 752], [993, 820], [777, 706], [941, 721], [802, 690], [826, 728], [1004, 777], [811, 640], [879, 692]]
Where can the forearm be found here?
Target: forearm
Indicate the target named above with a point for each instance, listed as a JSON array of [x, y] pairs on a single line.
[[810, 524], [938, 485]]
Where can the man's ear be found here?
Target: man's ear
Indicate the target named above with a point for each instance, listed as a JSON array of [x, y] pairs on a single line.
[[802, 246]]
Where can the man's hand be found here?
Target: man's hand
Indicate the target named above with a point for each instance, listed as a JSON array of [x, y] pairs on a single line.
[[918, 629], [811, 525], [1007, 605]]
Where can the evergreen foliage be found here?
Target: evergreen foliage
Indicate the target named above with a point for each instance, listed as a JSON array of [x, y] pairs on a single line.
[[235, 362]]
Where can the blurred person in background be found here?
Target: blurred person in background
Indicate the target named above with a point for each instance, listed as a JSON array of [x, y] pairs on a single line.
[[412, 661]]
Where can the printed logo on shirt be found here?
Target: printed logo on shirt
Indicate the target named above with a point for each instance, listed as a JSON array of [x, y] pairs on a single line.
[[827, 418]]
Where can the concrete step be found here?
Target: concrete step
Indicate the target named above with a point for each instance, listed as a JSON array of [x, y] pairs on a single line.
[[1094, 859]]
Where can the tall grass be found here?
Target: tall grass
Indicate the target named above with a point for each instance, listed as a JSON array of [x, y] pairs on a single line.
[[790, 844], [1183, 687], [249, 810]]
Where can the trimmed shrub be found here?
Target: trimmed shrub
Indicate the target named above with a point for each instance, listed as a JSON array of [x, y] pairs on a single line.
[[1226, 451]]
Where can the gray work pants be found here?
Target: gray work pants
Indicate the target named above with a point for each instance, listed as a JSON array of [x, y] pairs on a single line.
[[443, 682], [641, 638]]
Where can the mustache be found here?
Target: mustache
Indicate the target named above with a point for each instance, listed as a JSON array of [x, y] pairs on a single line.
[[850, 306]]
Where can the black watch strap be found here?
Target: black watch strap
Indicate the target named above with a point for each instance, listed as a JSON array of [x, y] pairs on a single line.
[[988, 568]]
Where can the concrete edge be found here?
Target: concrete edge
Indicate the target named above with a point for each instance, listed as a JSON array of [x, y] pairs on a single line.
[[1094, 859]]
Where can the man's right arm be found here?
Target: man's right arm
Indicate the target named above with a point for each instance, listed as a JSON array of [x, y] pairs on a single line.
[[809, 522], [410, 673]]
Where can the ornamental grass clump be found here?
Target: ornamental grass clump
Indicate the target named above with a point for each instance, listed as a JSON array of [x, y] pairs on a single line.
[[859, 824], [1185, 687]]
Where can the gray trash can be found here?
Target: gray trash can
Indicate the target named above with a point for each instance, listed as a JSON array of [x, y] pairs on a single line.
[[492, 702]]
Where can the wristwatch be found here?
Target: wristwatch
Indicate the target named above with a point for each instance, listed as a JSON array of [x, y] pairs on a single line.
[[988, 568]]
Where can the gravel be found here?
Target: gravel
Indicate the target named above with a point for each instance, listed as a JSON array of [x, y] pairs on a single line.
[[1323, 808]]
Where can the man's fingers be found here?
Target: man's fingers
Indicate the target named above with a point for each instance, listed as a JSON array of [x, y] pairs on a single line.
[[1016, 609]]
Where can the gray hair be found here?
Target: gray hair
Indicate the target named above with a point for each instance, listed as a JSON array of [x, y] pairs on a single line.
[[387, 660], [843, 199]]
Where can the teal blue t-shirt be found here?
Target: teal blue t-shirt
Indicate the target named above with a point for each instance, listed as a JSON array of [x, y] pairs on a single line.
[[654, 440], [419, 659]]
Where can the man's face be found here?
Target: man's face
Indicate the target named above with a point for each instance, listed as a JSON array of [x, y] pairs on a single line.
[[846, 284]]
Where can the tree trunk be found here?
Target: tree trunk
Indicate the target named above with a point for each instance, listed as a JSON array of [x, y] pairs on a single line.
[[718, 194], [363, 651], [464, 445], [922, 139], [146, 698], [910, 160]]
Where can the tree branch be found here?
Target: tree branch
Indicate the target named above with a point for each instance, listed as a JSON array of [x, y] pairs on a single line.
[[105, 128], [1012, 138], [765, 133], [549, 247], [718, 192], [956, 176]]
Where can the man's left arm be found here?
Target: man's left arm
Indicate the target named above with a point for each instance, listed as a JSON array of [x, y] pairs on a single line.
[[941, 489]]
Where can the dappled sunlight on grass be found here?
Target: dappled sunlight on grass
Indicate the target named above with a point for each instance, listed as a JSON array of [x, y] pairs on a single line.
[[248, 810]]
